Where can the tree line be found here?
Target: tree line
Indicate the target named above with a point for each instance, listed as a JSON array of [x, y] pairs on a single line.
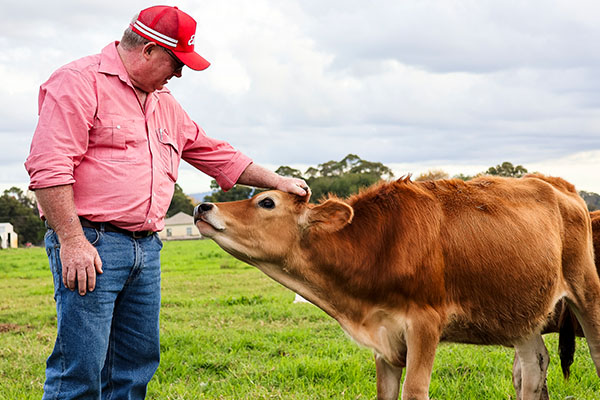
[[341, 178], [346, 177]]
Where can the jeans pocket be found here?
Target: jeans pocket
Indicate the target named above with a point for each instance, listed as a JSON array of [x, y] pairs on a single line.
[[92, 235], [53, 252], [158, 240]]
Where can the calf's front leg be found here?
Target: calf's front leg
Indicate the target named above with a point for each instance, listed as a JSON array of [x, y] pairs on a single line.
[[533, 359], [422, 338], [518, 380], [388, 379]]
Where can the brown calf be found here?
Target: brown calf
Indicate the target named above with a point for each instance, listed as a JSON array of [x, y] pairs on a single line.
[[403, 265], [564, 322]]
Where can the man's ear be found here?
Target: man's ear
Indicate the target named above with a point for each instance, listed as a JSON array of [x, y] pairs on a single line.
[[330, 216], [147, 49]]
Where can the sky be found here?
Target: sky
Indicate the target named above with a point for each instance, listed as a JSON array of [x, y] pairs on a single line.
[[415, 84]]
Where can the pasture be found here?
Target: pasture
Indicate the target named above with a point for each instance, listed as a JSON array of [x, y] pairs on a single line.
[[230, 332]]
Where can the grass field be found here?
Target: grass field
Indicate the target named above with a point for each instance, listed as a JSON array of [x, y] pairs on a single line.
[[229, 332]]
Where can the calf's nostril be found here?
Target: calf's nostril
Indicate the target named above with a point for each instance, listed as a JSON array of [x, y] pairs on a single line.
[[204, 207]]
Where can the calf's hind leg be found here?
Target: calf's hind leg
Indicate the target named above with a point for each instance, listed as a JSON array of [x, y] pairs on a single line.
[[584, 300], [589, 319], [533, 359]]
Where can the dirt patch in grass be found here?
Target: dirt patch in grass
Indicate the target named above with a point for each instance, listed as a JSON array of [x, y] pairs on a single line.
[[9, 328]]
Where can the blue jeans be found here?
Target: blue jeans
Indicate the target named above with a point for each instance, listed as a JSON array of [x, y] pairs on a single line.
[[107, 343]]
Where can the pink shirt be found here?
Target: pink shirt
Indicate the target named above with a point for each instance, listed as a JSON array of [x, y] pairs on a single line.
[[122, 162]]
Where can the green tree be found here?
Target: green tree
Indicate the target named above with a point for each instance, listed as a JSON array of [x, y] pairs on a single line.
[[463, 177], [331, 168], [507, 169], [591, 199], [351, 164], [180, 202], [346, 177], [237, 192], [432, 175], [311, 172], [342, 186], [284, 170], [22, 213], [342, 178]]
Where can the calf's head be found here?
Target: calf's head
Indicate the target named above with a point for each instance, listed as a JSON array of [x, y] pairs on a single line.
[[271, 226]]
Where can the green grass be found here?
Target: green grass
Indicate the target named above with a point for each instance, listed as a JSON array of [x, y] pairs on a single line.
[[229, 332]]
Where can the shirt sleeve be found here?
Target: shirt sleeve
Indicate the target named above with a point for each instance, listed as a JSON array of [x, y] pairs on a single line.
[[67, 106], [214, 157]]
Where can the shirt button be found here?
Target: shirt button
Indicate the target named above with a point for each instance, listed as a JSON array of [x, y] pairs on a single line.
[[150, 221], [118, 126]]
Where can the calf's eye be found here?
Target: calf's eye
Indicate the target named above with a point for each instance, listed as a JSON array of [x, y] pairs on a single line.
[[267, 203]]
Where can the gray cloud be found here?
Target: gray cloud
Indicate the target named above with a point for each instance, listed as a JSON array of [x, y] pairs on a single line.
[[303, 82]]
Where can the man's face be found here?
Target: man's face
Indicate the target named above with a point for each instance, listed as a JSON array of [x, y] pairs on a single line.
[[161, 65]]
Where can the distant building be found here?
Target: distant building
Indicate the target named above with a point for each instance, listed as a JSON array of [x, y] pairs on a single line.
[[8, 237], [179, 227]]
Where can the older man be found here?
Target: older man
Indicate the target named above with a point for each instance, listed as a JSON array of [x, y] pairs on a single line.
[[103, 164]]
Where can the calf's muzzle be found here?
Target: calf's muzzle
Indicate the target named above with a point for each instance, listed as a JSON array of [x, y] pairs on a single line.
[[201, 209]]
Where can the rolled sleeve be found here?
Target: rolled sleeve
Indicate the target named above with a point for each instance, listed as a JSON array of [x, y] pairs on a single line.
[[214, 157], [67, 106]]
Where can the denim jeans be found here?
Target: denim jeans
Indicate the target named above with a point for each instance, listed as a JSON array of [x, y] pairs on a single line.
[[107, 343]]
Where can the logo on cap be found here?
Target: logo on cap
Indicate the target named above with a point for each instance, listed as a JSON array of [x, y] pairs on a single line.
[[171, 28]]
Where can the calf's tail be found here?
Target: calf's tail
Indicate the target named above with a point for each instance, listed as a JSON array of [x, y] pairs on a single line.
[[566, 340]]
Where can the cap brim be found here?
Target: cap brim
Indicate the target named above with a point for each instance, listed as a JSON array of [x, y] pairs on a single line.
[[192, 59]]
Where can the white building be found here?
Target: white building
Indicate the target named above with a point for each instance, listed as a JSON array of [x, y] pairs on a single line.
[[8, 237], [179, 227]]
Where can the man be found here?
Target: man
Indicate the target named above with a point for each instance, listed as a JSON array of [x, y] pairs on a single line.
[[103, 164]]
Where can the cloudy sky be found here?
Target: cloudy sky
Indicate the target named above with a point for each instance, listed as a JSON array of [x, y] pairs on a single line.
[[415, 84]]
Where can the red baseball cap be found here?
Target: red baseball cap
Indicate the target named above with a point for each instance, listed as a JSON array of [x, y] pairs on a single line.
[[172, 29]]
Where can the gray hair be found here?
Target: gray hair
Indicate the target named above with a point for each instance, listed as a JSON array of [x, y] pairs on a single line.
[[132, 40]]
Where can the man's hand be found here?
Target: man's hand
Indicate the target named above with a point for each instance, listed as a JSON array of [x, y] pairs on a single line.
[[80, 260], [294, 186], [255, 175], [80, 263]]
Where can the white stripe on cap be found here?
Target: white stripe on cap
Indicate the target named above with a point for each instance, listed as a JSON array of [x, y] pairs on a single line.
[[169, 41]]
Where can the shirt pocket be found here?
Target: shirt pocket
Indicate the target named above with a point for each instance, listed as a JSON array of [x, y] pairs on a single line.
[[113, 139], [169, 153]]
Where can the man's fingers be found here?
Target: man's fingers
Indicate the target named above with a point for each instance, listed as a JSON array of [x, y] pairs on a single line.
[[80, 263], [91, 279], [71, 277], [92, 270], [300, 188], [307, 190], [304, 190], [98, 263], [82, 279], [64, 277]]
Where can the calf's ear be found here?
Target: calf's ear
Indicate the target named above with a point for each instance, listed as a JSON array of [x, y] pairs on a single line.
[[330, 216]]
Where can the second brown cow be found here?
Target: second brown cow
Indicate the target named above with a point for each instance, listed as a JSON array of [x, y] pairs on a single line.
[[404, 265], [564, 322]]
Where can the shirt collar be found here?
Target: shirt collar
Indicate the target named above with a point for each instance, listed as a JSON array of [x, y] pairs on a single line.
[[111, 64]]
